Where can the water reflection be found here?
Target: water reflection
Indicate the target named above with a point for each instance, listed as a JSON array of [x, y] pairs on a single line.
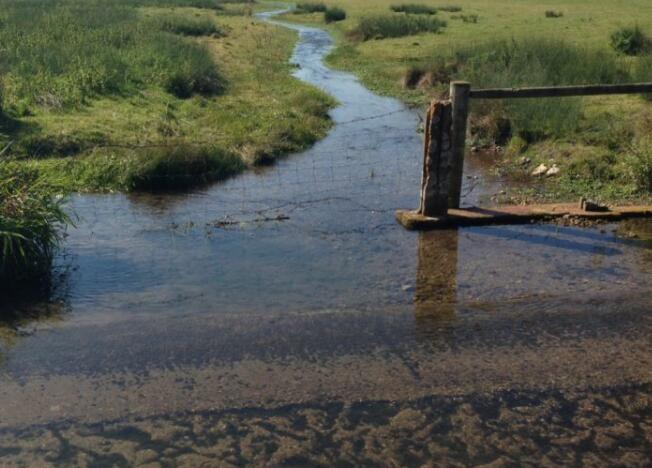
[[436, 279]]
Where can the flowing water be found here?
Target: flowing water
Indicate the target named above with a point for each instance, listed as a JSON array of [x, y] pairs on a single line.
[[283, 317]]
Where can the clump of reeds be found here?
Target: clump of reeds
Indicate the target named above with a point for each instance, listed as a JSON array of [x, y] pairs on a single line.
[[630, 40], [31, 220], [310, 7], [384, 26], [334, 14], [413, 9], [450, 8]]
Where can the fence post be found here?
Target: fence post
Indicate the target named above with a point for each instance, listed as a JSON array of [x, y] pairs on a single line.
[[437, 160], [460, 94]]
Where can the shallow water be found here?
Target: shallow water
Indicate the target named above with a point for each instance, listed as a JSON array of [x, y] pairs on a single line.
[[293, 285]]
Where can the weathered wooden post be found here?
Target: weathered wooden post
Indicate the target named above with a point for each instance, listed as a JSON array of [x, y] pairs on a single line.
[[460, 94], [437, 160]]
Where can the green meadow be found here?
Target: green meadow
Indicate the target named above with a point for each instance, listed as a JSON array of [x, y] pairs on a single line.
[[148, 94], [602, 145]]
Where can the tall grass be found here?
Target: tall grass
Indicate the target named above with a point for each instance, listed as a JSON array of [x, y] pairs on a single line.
[[61, 53], [384, 26], [188, 26], [334, 14], [450, 8], [535, 62], [414, 9], [310, 7], [181, 167], [630, 40], [30, 227], [553, 14], [639, 164]]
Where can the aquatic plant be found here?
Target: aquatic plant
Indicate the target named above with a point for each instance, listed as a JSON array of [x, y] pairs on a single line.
[[31, 220]]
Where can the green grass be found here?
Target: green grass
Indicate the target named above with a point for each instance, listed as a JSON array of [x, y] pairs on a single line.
[[332, 15], [213, 104], [504, 43], [450, 8], [385, 26], [30, 227], [413, 9], [531, 62], [309, 7], [554, 14], [188, 26], [630, 41], [62, 53]]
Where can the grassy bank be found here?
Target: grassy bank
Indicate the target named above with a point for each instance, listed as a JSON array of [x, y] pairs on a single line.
[[600, 145], [148, 94], [134, 95], [30, 228]]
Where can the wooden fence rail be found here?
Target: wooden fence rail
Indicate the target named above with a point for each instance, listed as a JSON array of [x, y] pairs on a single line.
[[561, 91]]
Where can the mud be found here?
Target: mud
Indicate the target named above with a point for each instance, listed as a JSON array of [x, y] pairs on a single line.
[[503, 429]]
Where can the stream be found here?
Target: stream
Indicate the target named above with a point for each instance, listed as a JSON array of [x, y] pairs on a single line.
[[283, 316]]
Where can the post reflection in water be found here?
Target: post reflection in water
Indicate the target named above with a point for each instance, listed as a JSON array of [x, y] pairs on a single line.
[[436, 283]]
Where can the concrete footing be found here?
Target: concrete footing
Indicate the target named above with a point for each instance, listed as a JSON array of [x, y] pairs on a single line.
[[515, 214]]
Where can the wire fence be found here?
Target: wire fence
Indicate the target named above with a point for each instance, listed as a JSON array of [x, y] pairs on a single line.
[[360, 169]]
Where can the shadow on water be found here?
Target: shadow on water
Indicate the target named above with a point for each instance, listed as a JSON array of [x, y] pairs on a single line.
[[549, 240], [435, 297], [23, 314]]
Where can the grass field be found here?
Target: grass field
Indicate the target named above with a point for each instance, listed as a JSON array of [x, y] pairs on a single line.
[[601, 145], [136, 95]]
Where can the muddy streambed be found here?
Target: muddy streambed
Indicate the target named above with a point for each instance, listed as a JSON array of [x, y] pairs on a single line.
[[284, 317]]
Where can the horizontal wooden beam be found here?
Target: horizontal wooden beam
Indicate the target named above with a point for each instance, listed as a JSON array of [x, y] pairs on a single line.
[[516, 214], [561, 91]]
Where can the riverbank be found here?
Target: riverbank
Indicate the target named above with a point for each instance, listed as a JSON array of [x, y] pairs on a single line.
[[601, 146], [155, 127]]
